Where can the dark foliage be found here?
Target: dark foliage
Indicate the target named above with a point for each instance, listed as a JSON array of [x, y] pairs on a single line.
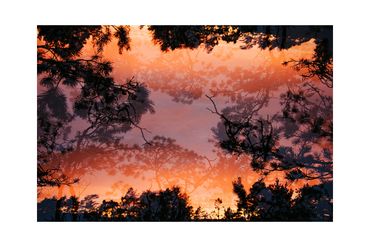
[[277, 203], [165, 205], [270, 37], [298, 138], [263, 37], [263, 203], [108, 107], [287, 141]]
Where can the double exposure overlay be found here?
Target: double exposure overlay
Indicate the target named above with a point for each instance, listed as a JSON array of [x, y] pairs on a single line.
[[185, 123]]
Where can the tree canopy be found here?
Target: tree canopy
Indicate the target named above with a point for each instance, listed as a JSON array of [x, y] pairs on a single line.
[[84, 115]]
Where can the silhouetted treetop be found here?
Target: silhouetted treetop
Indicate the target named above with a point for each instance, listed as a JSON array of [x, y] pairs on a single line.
[[274, 202], [283, 128], [263, 37], [109, 107], [68, 41], [282, 37], [164, 205]]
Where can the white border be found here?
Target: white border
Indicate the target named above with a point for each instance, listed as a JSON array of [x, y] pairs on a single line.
[[18, 123]]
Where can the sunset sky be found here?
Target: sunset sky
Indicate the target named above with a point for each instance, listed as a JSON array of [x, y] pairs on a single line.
[[178, 82]]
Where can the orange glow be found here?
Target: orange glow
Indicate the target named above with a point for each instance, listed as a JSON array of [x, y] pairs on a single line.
[[178, 81]]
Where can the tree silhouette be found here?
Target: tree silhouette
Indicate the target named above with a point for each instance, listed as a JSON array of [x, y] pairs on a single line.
[[277, 203], [304, 121], [46, 209], [200, 215], [298, 141], [194, 82], [314, 203], [274, 202], [89, 208], [84, 115], [282, 37], [169, 163], [107, 108], [218, 203], [167, 205], [242, 206], [163, 205], [173, 37], [264, 37]]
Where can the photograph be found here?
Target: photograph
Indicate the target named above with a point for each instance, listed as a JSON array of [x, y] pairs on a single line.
[[195, 123]]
